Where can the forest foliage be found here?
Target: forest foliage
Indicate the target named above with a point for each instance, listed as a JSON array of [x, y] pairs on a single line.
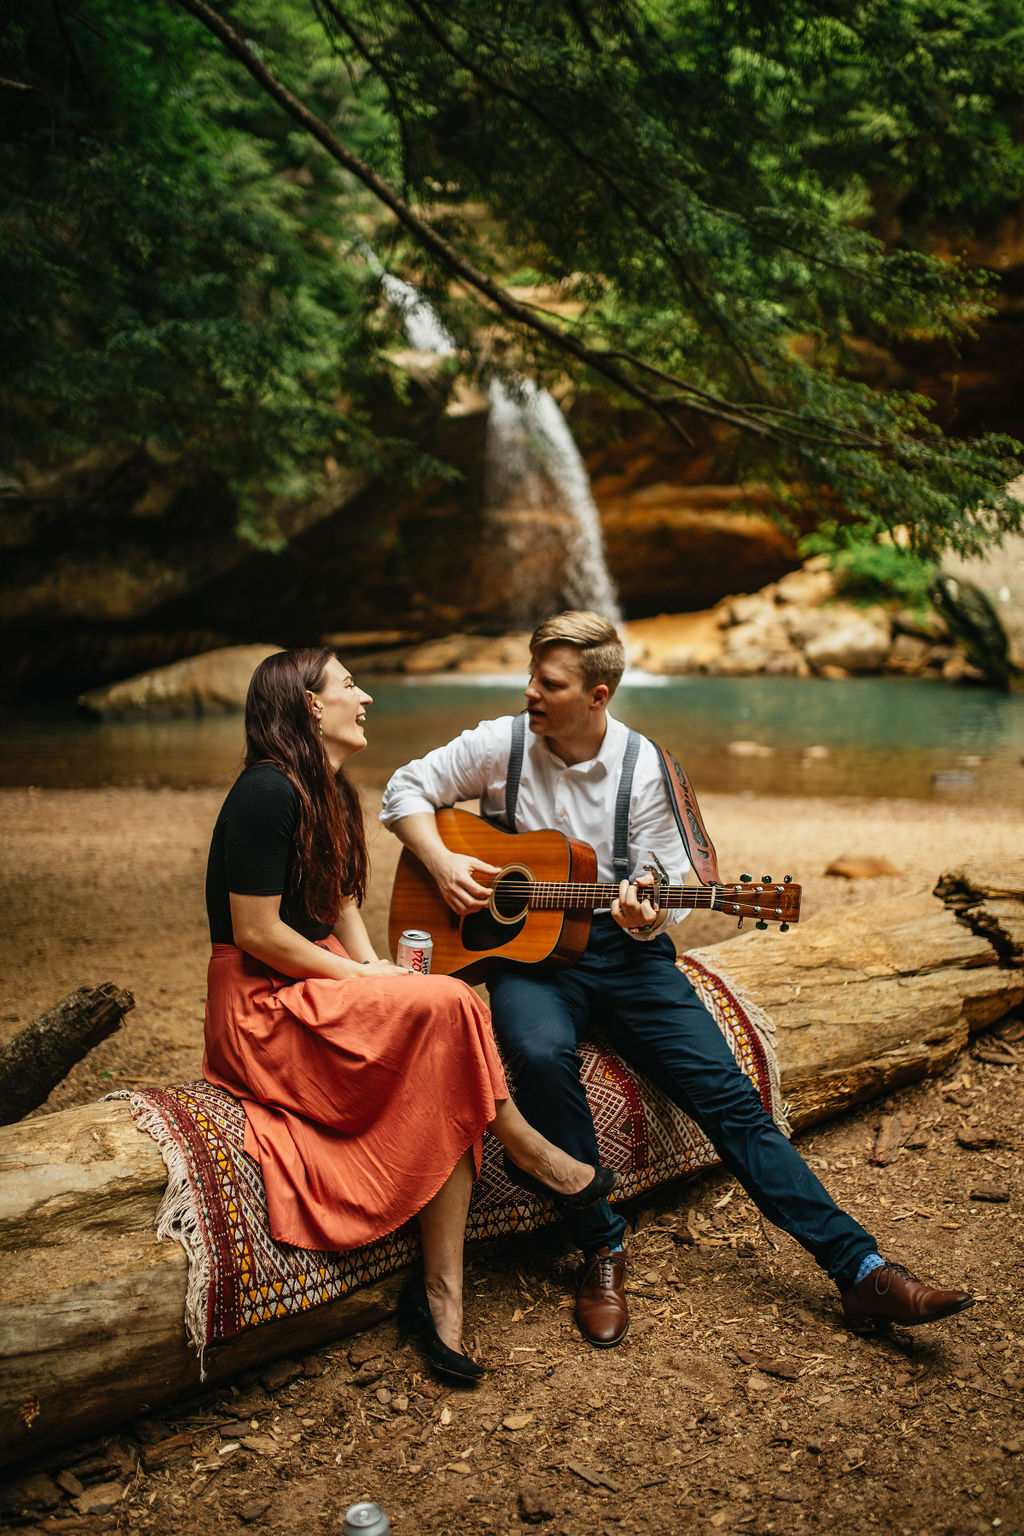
[[725, 198]]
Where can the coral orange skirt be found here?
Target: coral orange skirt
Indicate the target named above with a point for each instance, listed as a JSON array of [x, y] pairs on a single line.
[[360, 1095]]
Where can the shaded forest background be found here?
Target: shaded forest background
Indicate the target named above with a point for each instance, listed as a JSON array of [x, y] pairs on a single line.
[[778, 253]]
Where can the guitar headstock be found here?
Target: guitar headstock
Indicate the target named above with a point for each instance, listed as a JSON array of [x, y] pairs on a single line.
[[764, 900]]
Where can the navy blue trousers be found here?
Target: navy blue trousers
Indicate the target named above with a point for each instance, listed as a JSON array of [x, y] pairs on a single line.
[[652, 1016]]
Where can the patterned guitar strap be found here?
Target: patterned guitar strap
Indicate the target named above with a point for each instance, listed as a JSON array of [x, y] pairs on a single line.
[[681, 798], [686, 811]]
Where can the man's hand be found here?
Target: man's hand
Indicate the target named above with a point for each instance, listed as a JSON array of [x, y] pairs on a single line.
[[453, 873], [455, 876], [630, 908]]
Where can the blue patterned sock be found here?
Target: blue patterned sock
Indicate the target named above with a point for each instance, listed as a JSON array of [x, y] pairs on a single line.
[[870, 1262]]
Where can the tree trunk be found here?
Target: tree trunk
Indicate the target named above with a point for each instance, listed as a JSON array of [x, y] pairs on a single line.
[[92, 1306], [884, 992], [38, 1057]]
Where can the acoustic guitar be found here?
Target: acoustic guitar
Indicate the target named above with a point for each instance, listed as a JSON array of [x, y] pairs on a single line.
[[542, 899]]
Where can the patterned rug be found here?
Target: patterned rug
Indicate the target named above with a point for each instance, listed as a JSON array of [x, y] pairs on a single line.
[[215, 1204]]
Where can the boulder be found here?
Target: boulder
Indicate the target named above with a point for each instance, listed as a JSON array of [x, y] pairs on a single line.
[[909, 653], [808, 587], [762, 644], [676, 644], [744, 608], [840, 635], [211, 684], [439, 655]]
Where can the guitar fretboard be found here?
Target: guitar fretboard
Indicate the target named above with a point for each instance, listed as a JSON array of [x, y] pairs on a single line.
[[557, 895]]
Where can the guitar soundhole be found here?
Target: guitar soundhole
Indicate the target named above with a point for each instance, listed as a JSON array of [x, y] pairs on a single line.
[[510, 896]]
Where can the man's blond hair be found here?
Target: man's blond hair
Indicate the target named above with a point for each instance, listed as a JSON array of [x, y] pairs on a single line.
[[602, 655]]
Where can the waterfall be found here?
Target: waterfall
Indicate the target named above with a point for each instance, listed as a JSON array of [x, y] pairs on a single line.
[[529, 442], [531, 460], [422, 322]]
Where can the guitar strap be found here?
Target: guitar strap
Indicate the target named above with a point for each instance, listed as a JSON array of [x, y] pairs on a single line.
[[681, 798], [686, 811]]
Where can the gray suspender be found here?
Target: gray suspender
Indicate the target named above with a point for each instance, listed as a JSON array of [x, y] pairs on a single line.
[[681, 799], [620, 851], [620, 848], [515, 769]]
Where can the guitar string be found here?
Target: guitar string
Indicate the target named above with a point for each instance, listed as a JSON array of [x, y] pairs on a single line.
[[548, 890], [604, 887]]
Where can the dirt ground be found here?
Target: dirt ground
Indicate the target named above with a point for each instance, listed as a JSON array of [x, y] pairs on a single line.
[[738, 1401]]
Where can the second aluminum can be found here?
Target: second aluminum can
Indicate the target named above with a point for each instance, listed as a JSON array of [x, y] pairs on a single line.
[[366, 1520]]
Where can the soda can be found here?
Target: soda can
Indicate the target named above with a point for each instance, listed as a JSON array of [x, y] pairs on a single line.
[[366, 1520], [415, 948]]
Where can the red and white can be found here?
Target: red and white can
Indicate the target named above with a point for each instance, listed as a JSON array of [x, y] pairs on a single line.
[[415, 948]]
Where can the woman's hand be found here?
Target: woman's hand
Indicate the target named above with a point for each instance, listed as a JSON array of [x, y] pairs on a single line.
[[383, 968]]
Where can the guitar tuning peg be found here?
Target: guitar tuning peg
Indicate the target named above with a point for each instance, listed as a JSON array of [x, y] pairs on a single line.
[[766, 879], [783, 927], [760, 923], [740, 923], [746, 879], [787, 879]]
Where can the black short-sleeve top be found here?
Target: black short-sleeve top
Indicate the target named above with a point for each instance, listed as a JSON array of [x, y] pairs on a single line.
[[251, 851]]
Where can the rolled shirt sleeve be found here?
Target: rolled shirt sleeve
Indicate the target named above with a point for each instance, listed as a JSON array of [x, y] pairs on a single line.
[[464, 769]]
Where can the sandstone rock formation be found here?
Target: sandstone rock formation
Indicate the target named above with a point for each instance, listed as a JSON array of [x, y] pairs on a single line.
[[799, 626]]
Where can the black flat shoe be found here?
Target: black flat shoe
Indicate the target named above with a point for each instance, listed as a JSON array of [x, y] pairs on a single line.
[[416, 1318], [599, 1188]]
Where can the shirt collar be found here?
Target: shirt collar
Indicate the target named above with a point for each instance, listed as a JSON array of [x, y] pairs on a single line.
[[605, 760]]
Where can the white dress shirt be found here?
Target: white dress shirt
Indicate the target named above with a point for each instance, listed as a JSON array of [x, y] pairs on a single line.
[[577, 799]]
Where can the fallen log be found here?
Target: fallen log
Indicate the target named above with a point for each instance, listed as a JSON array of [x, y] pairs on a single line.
[[884, 992], [91, 1305], [41, 1055]]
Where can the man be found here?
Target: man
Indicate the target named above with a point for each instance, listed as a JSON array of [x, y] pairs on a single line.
[[568, 774]]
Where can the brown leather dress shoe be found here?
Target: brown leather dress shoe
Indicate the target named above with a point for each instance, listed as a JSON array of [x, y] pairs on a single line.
[[601, 1312], [893, 1295]]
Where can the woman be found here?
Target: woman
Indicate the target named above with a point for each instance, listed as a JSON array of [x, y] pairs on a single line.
[[366, 1088]]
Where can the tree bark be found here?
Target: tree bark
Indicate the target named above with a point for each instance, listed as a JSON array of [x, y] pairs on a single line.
[[38, 1057], [92, 1306]]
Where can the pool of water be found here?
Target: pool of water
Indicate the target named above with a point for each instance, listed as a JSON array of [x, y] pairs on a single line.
[[863, 736]]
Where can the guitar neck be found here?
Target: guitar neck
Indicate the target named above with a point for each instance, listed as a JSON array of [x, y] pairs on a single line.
[[760, 899], [542, 894]]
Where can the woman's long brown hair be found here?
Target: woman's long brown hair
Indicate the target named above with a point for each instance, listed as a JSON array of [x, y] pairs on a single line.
[[329, 860]]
